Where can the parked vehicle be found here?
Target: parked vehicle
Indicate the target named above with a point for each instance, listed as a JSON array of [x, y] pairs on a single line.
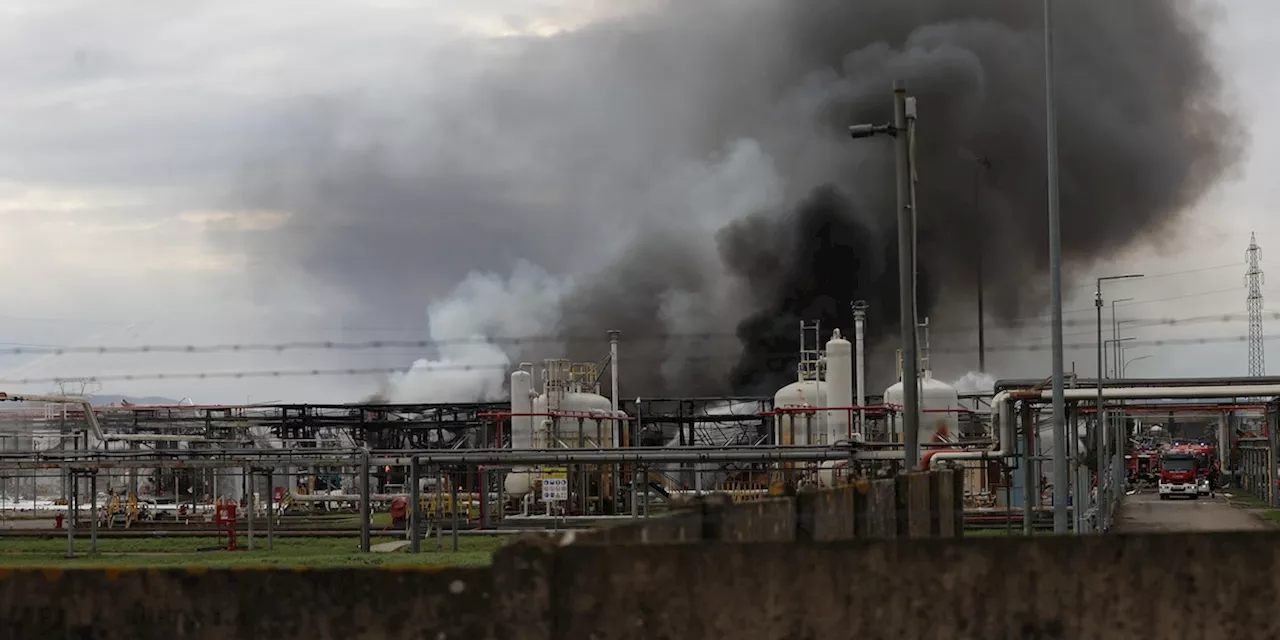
[[1179, 474]]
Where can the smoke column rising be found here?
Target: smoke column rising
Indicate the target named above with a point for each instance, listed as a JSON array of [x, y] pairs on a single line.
[[689, 166]]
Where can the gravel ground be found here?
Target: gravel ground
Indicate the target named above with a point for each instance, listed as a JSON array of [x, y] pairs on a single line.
[[1146, 512]]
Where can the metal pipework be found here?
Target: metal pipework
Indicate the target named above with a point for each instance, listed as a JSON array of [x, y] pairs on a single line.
[[1003, 423], [1141, 393], [860, 365], [1017, 384], [92, 418], [499, 457], [1002, 404]]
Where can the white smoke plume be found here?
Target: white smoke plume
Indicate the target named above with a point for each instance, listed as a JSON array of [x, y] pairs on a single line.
[[469, 326], [975, 382]]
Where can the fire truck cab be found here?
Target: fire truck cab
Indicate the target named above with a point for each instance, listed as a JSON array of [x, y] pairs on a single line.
[[1179, 474]]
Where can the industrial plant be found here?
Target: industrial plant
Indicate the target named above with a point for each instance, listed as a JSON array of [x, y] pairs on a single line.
[[573, 450]]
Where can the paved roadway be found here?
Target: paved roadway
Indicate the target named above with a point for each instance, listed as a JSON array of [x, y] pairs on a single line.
[[1145, 512]]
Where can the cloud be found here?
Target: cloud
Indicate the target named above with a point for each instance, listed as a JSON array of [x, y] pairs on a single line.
[[229, 160]]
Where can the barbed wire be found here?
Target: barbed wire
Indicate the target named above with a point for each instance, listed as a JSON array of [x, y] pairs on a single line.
[[772, 361], [694, 337], [1013, 322]]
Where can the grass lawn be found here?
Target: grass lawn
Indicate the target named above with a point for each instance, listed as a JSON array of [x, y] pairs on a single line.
[[286, 552], [1244, 500]]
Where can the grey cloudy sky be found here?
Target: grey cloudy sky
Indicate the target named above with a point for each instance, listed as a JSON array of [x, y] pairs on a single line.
[[150, 154]]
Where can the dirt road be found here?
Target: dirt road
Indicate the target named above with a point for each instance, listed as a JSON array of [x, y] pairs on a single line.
[[1146, 512]]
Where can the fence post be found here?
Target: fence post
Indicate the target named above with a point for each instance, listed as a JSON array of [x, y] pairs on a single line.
[[902, 505], [712, 518], [957, 503], [861, 512], [807, 502], [943, 502]]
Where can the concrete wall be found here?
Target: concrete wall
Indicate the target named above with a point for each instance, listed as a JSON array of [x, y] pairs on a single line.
[[1219, 585], [914, 505]]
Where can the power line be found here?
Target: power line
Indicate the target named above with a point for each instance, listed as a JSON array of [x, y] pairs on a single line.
[[188, 323], [501, 341], [778, 361]]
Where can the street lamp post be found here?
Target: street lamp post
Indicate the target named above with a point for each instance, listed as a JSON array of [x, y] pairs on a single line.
[[1099, 416], [1115, 334], [1125, 368], [1055, 283], [903, 114], [1117, 349]]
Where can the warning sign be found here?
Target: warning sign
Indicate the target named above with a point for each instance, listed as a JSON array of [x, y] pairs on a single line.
[[555, 484]]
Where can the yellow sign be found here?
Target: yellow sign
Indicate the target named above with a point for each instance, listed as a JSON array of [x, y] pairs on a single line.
[[555, 484]]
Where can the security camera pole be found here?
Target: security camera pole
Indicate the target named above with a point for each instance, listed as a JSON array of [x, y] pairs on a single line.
[[903, 113]]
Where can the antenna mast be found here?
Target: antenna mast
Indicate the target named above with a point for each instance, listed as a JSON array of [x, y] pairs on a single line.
[[1253, 280]]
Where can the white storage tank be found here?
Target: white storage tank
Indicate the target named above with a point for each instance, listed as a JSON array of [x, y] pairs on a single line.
[[541, 432], [566, 428], [521, 403], [801, 428], [520, 479], [839, 387], [939, 409]]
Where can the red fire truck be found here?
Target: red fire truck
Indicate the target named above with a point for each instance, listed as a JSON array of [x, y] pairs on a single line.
[[1179, 473], [1206, 467], [1144, 466]]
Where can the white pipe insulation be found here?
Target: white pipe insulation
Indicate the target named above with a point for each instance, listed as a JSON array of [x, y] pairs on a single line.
[[373, 497], [1002, 404]]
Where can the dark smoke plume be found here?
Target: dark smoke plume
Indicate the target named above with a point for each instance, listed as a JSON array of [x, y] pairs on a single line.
[[700, 152]]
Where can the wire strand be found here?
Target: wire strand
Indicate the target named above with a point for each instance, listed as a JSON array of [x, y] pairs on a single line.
[[382, 345], [776, 361]]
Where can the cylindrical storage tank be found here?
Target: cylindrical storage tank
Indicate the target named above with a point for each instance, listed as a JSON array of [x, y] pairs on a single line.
[[520, 480], [939, 410], [940, 405], [546, 432], [521, 403], [800, 428], [840, 423], [594, 431]]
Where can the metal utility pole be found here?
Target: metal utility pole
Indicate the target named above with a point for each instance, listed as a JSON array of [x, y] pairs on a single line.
[[1060, 479], [906, 282], [903, 114], [983, 165], [80, 388], [1253, 279], [1099, 416]]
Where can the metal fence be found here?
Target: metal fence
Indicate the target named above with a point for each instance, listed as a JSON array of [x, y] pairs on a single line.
[[1256, 471]]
